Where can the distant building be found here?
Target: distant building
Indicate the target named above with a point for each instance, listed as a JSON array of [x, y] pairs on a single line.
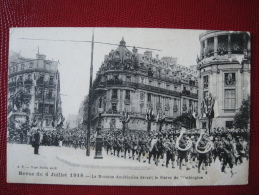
[[224, 71], [132, 84], [34, 90], [72, 121]]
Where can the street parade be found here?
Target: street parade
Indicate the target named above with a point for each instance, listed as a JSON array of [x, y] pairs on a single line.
[[141, 115], [187, 149]]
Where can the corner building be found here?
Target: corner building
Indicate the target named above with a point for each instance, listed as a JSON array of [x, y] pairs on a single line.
[[34, 90], [132, 82], [224, 71]]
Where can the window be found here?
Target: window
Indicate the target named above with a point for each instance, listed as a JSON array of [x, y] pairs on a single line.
[[175, 105], [22, 67], [114, 93], [31, 65], [230, 98], [190, 103], [127, 96], [230, 78], [149, 97], [41, 78], [206, 82], [184, 102], [205, 93], [51, 108], [50, 94], [204, 125], [51, 80], [114, 106]]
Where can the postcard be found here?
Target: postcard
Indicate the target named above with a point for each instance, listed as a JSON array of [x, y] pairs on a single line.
[[128, 106]]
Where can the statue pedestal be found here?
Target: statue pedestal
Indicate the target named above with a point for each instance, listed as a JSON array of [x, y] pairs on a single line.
[[98, 147]]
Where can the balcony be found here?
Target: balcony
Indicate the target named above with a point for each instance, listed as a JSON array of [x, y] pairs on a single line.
[[46, 83], [121, 83], [112, 112], [189, 94]]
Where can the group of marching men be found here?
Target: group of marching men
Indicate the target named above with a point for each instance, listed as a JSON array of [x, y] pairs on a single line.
[[184, 149]]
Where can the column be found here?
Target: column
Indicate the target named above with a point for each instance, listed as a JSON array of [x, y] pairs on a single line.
[[215, 46], [206, 45], [202, 50], [229, 45]]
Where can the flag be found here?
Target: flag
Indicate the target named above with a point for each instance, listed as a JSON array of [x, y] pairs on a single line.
[[127, 117]]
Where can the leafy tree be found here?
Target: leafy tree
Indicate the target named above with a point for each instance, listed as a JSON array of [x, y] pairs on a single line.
[[187, 120], [242, 117]]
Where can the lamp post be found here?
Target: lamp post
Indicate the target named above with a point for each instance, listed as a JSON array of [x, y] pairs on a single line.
[[90, 100], [99, 139]]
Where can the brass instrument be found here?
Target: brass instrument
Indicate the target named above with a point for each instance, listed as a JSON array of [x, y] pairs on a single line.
[[189, 141], [209, 146]]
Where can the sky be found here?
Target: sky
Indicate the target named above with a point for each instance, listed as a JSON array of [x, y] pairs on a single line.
[[75, 57]]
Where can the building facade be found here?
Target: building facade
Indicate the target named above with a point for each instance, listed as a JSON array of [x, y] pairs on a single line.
[[141, 86], [224, 72], [34, 90]]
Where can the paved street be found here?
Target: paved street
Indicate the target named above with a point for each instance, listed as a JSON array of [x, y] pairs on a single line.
[[60, 164]]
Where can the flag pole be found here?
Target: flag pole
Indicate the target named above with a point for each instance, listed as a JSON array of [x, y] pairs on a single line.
[[89, 99]]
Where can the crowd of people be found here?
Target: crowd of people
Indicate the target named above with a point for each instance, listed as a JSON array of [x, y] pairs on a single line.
[[190, 148], [193, 149]]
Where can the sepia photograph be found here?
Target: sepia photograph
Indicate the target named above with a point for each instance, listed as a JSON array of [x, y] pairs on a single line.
[[128, 106]]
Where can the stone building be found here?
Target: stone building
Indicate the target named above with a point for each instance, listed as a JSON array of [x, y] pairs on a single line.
[[34, 90], [139, 86], [224, 72]]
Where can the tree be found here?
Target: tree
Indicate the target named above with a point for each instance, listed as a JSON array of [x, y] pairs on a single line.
[[186, 120], [242, 117]]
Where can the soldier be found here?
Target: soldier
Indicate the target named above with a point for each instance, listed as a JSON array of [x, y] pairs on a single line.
[[183, 154], [153, 148], [203, 157], [228, 151], [194, 154], [109, 144], [240, 150], [141, 147], [134, 146], [126, 145], [119, 145], [36, 141], [160, 149], [170, 151]]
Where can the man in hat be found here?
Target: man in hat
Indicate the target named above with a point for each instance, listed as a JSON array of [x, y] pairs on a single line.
[[170, 150], [183, 154], [134, 145], [36, 142], [152, 148], [203, 157], [228, 151]]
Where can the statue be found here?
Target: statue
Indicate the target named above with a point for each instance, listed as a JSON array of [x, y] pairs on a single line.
[[208, 108]]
